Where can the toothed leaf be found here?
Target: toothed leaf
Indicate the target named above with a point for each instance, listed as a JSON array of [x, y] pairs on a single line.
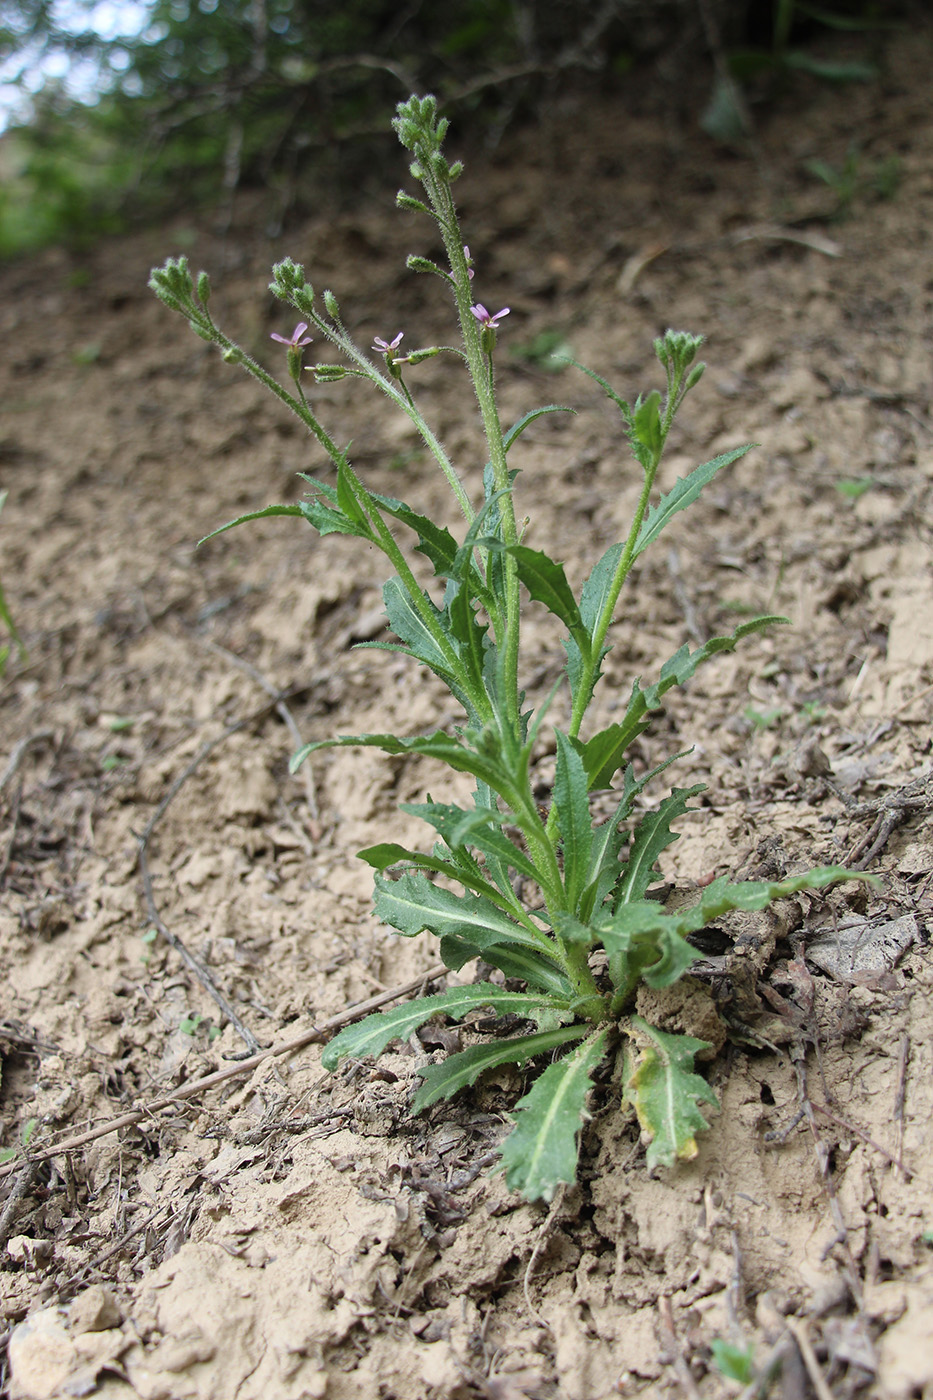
[[573, 817], [370, 1037], [652, 835], [685, 492], [458, 1071], [542, 1150], [666, 1094], [603, 754], [411, 903]]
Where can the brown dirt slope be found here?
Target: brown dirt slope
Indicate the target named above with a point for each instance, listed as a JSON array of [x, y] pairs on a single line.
[[287, 1234]]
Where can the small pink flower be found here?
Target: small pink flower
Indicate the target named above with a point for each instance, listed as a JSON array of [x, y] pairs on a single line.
[[482, 315], [386, 347], [296, 342], [469, 262]]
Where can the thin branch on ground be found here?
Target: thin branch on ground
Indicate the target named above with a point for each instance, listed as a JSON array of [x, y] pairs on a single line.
[[196, 966], [194, 963], [903, 1059], [209, 1081], [20, 1188], [799, 1330], [673, 1349], [11, 842], [19, 752]]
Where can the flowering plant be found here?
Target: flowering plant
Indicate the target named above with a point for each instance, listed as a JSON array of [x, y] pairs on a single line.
[[554, 901]]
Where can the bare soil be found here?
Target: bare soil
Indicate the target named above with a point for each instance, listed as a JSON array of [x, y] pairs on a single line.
[[288, 1234]]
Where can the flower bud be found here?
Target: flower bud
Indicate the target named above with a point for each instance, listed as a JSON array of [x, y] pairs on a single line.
[[234, 355], [204, 288], [330, 301], [407, 201]]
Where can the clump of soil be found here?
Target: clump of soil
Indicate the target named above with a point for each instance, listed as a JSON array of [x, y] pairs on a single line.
[[284, 1233]]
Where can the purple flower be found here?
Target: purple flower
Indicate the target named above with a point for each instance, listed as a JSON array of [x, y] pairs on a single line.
[[469, 262], [296, 342], [482, 315], [385, 347]]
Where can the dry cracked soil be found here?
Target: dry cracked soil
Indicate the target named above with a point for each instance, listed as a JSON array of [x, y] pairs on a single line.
[[284, 1233]]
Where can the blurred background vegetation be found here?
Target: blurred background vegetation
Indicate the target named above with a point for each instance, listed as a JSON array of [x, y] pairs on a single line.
[[124, 110]]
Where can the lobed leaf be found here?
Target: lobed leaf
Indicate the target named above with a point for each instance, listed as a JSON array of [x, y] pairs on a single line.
[[446, 748], [480, 827], [389, 853], [542, 1150], [665, 1093], [547, 583], [459, 1071], [372, 1035]]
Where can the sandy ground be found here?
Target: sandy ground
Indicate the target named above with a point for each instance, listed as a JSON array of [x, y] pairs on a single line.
[[287, 1234]]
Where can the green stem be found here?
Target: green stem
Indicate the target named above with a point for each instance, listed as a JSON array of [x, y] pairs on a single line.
[[339, 337], [481, 373]]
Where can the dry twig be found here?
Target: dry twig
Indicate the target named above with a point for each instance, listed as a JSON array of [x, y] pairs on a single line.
[[209, 1081]]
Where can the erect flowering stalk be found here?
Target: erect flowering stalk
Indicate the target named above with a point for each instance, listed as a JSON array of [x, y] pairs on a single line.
[[422, 133]]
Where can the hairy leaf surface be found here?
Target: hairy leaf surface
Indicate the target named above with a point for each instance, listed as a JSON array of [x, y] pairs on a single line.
[[603, 754], [665, 1093], [371, 1036], [411, 903], [457, 1071], [684, 493], [571, 797], [541, 1151], [652, 835]]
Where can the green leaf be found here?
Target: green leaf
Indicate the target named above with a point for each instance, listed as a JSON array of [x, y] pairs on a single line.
[[389, 853], [471, 635], [652, 836], [571, 798], [349, 491], [593, 599], [665, 1093], [547, 583], [444, 747], [411, 904], [721, 897], [646, 437], [257, 515], [371, 1036], [542, 1150], [410, 627], [645, 944], [480, 827], [535, 968], [458, 1071], [435, 542], [518, 428], [605, 868], [684, 493], [603, 753]]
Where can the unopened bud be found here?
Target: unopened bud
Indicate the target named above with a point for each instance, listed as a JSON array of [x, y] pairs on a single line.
[[234, 355], [408, 201], [329, 374], [204, 288], [330, 301]]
